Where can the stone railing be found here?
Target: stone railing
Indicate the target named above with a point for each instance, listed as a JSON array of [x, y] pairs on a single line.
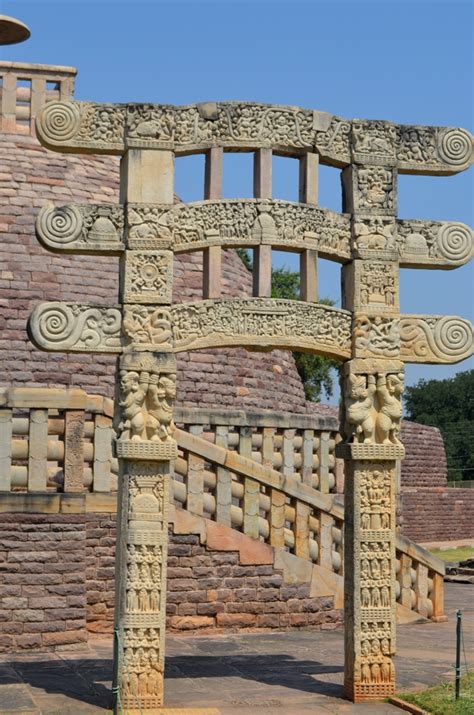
[[233, 489], [26, 88], [55, 440], [273, 477], [301, 446]]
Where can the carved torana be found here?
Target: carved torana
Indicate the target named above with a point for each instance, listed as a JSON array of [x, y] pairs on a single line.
[[145, 329]]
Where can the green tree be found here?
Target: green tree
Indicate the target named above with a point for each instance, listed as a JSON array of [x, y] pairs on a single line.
[[316, 372], [448, 405]]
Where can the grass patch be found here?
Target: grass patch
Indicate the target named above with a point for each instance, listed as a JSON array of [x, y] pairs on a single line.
[[463, 552], [440, 699]]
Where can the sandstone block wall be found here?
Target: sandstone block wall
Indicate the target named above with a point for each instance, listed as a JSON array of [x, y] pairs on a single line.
[[438, 514], [425, 459], [208, 588], [43, 602]]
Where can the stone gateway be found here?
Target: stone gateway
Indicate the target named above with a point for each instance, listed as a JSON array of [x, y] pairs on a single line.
[[368, 334]]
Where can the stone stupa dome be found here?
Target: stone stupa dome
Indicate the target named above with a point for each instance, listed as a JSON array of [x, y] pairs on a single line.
[[30, 177]]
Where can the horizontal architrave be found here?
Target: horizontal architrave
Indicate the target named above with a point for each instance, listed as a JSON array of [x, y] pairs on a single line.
[[234, 223], [87, 127], [254, 323]]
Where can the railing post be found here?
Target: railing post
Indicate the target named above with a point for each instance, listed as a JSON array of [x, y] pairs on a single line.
[[212, 256], [277, 518], [73, 451], [251, 501], [223, 481], [103, 435], [302, 530], [194, 501], [437, 597], [38, 451], [6, 435], [307, 451]]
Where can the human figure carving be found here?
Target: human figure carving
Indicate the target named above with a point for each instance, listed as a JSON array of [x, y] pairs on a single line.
[[365, 674], [161, 396], [133, 386], [365, 598], [385, 672], [385, 597], [365, 521], [359, 400], [389, 391], [376, 673]]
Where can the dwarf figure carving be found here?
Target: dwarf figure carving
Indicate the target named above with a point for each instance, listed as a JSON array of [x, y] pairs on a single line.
[[359, 401], [133, 387], [161, 396], [389, 391]]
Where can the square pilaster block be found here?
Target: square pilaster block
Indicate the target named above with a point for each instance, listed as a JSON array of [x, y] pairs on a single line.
[[371, 285], [374, 237], [148, 277], [370, 190], [374, 142]]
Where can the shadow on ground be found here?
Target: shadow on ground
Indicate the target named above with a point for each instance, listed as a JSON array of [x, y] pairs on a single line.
[[83, 679], [79, 679]]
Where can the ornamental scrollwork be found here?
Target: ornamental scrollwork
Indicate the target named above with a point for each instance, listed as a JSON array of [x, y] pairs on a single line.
[[74, 327], [89, 228], [435, 339]]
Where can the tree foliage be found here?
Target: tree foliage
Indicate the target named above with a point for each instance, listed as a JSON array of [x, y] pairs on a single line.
[[316, 372], [449, 405]]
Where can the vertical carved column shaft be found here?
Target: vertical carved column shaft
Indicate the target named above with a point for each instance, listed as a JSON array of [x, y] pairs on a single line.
[[372, 385], [146, 448]]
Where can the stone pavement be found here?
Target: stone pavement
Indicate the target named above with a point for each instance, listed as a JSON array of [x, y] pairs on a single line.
[[276, 673]]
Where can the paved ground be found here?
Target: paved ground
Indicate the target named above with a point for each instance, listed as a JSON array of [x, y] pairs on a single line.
[[275, 673]]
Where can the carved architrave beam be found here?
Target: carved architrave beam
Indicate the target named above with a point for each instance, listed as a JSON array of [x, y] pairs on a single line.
[[99, 228], [114, 128], [256, 322], [430, 339], [265, 323]]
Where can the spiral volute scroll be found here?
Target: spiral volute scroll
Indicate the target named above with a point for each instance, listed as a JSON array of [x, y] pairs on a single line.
[[455, 146], [453, 338], [58, 122], [455, 242], [52, 326], [57, 227]]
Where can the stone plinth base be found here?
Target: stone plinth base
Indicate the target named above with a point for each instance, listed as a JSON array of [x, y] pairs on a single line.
[[146, 450], [361, 692], [175, 711]]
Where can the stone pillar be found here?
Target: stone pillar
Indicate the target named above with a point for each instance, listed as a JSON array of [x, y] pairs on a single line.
[[372, 384], [145, 445]]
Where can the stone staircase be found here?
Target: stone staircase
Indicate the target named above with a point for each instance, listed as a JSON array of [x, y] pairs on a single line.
[[257, 499]]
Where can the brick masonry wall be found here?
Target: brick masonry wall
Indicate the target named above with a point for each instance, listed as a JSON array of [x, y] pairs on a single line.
[[425, 460], [31, 176], [438, 514], [207, 589], [43, 587]]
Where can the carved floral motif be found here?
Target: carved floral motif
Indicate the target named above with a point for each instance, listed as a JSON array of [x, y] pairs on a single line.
[[148, 276]]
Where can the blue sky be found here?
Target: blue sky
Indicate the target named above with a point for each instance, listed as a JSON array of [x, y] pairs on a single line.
[[409, 61]]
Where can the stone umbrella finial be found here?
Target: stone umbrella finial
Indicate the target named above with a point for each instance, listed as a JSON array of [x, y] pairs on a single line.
[[12, 31]]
